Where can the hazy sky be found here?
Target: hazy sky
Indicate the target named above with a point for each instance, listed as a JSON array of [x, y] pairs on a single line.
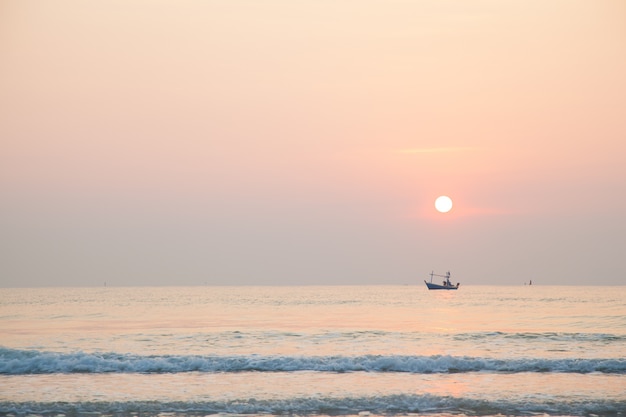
[[305, 141]]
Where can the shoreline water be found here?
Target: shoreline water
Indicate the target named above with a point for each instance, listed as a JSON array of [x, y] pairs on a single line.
[[322, 351]]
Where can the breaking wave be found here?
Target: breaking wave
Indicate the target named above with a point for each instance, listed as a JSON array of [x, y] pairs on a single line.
[[362, 406], [22, 362]]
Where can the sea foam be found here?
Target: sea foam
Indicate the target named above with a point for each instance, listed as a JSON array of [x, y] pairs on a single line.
[[378, 405], [20, 362]]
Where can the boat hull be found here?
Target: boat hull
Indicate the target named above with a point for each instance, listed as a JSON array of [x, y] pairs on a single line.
[[432, 286]]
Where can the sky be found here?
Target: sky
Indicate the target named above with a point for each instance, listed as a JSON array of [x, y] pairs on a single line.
[[282, 142]]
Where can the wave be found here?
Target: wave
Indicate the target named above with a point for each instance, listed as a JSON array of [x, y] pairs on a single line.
[[545, 336], [22, 362], [363, 406]]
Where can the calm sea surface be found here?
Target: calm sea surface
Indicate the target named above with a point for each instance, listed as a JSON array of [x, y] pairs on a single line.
[[324, 351]]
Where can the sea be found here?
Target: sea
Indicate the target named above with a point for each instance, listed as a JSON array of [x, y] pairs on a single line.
[[313, 351]]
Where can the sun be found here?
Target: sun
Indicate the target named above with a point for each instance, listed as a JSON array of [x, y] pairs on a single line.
[[443, 204]]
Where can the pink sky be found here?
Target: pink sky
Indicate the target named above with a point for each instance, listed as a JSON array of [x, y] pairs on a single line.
[[283, 142]]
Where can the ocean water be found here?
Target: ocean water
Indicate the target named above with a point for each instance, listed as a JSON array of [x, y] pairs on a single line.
[[322, 351]]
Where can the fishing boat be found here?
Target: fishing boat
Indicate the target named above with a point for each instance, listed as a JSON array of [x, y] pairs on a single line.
[[447, 285]]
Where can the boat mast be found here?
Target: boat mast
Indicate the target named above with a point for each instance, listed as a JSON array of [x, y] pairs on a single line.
[[446, 276]]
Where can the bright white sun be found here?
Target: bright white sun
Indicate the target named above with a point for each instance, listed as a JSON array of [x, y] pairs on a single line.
[[443, 204]]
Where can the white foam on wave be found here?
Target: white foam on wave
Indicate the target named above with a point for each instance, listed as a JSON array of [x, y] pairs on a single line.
[[19, 362], [379, 405]]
